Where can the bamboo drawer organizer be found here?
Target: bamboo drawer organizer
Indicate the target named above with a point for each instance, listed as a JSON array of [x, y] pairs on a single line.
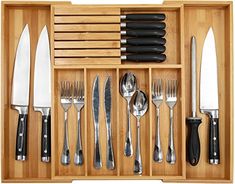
[[85, 41]]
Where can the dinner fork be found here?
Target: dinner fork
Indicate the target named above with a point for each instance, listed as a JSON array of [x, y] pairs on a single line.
[[171, 99], [78, 101], [157, 98], [66, 102]]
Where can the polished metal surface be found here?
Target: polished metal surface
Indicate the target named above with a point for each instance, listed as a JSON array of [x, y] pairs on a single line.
[[194, 76]]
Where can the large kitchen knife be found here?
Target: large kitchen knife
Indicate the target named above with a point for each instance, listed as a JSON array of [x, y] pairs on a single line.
[[209, 103], [107, 104], [42, 91], [95, 109], [20, 92]]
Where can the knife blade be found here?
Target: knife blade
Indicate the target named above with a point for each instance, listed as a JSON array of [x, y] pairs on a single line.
[[20, 92], [42, 91], [107, 103], [95, 109], [209, 94]]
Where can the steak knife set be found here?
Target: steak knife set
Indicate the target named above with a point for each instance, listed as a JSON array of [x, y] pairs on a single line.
[[117, 92]]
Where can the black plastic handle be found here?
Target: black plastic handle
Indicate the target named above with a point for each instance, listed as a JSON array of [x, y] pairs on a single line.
[[158, 49], [46, 138], [157, 17], [146, 33], [193, 140], [146, 57], [145, 25], [21, 138], [146, 41], [214, 151]]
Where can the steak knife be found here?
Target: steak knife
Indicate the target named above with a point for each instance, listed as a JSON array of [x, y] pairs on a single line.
[[20, 92], [95, 110], [107, 104], [42, 92], [155, 17], [209, 102]]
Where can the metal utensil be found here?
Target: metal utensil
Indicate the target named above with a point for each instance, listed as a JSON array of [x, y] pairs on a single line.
[[143, 25], [144, 33], [95, 110], [194, 121], [42, 91], [20, 92], [66, 100], [209, 101], [78, 101], [157, 49], [171, 99], [154, 17], [157, 98], [145, 57], [108, 104], [144, 41], [139, 106], [127, 89]]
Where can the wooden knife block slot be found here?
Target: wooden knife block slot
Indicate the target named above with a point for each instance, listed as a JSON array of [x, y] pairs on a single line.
[[85, 42]]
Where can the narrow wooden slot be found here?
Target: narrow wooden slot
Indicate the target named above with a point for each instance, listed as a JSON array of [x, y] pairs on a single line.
[[76, 62]]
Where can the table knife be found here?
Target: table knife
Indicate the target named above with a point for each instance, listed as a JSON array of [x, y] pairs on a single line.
[[144, 57], [209, 102], [144, 33], [157, 49], [42, 91], [144, 41], [95, 109], [20, 92], [193, 121], [108, 104], [143, 25], [155, 17]]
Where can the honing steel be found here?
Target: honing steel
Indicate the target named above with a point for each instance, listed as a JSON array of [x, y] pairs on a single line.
[[143, 25], [171, 99], [157, 49], [144, 41], [144, 57], [209, 102], [95, 109], [127, 89], [20, 92], [108, 104], [78, 102], [144, 33], [42, 91], [193, 121], [148, 17], [139, 106]]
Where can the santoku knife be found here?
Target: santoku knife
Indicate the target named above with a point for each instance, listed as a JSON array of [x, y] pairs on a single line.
[[20, 92], [209, 102], [42, 91]]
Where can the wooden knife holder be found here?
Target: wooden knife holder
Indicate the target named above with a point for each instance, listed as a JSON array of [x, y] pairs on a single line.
[[85, 41]]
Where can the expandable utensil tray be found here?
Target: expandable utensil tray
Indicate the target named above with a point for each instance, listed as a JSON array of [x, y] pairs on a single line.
[[85, 41]]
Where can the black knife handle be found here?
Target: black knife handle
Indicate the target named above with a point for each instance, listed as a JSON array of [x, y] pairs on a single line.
[[46, 138], [144, 33], [157, 49], [144, 25], [193, 140], [214, 153], [145, 41], [157, 17], [146, 57], [21, 138]]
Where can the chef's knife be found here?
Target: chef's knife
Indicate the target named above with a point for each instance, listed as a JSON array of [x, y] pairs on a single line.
[[144, 57], [20, 92], [144, 33], [209, 102], [42, 91], [95, 110], [144, 41], [193, 121], [157, 49], [148, 17], [107, 104], [143, 25]]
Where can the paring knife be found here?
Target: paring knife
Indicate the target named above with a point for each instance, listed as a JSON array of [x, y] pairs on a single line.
[[95, 109], [107, 103], [144, 33], [20, 92], [157, 49], [209, 102], [155, 17], [194, 121], [145, 57], [42, 91], [143, 25], [144, 41]]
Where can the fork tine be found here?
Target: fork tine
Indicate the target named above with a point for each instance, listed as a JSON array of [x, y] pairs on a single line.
[[160, 86], [153, 88], [82, 89]]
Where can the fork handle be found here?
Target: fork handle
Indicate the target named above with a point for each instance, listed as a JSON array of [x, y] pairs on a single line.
[[78, 158], [65, 157]]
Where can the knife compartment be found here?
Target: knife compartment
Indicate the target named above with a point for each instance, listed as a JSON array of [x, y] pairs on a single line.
[[85, 42]]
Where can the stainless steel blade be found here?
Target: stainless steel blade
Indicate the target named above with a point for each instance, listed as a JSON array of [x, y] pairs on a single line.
[[21, 76], [209, 78], [107, 99], [194, 76], [42, 72], [95, 100]]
